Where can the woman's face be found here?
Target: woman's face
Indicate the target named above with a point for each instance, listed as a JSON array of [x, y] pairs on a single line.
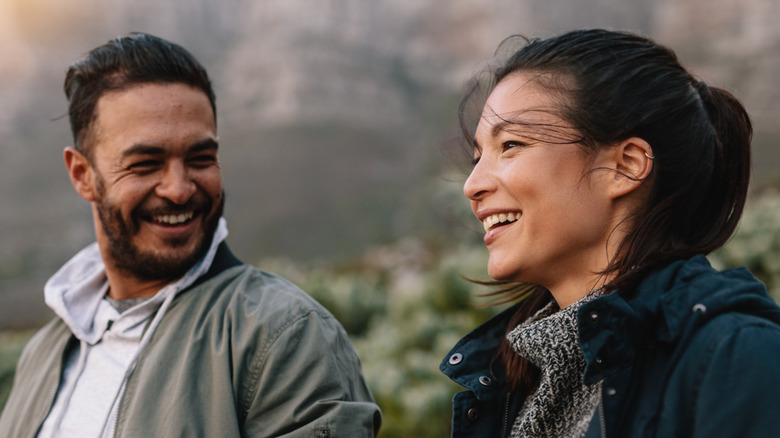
[[546, 217]]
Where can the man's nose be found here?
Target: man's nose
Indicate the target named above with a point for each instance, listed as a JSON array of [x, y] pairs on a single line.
[[176, 184]]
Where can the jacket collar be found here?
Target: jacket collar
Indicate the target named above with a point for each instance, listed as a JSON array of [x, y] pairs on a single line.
[[469, 362]]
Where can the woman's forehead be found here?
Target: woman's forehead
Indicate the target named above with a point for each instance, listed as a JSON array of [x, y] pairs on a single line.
[[519, 100], [519, 95]]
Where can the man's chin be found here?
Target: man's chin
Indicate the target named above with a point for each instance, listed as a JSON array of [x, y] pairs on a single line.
[[160, 259], [163, 266]]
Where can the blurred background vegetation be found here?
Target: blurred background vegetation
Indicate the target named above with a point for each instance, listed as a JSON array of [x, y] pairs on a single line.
[[406, 304], [337, 125]]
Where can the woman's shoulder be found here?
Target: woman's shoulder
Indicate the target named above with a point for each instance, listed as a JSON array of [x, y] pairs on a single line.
[[738, 335]]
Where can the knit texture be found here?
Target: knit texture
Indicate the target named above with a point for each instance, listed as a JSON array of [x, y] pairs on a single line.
[[561, 406]]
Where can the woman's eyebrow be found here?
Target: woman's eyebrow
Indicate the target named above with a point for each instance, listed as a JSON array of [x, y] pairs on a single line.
[[498, 127]]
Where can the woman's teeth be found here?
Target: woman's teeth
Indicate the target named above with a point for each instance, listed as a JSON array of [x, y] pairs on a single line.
[[501, 218]]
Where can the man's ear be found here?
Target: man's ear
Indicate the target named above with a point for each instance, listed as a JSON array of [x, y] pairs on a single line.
[[633, 164], [82, 176]]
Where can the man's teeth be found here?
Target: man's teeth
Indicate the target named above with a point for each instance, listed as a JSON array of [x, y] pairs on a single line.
[[492, 220], [173, 219]]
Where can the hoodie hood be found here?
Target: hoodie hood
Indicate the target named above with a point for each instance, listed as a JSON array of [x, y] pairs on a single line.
[[669, 303], [698, 293], [75, 293]]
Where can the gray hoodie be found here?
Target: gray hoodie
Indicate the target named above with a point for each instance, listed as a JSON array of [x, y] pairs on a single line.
[[95, 373]]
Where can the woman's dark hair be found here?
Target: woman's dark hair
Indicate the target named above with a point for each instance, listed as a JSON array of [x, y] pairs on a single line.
[[120, 63], [615, 85]]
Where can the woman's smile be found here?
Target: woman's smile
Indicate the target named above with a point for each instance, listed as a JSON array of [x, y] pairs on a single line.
[[499, 220]]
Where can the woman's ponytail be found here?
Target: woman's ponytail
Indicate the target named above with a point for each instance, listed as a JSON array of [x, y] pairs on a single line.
[[731, 161]]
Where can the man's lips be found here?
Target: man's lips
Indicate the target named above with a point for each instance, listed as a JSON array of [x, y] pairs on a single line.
[[173, 219], [174, 215]]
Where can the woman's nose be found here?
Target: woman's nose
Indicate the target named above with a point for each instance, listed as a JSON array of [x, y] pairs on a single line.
[[479, 181]]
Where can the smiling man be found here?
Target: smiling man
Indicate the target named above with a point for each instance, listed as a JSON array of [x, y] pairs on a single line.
[[160, 330]]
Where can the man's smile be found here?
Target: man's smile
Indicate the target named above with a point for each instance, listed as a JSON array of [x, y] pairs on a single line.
[[173, 219]]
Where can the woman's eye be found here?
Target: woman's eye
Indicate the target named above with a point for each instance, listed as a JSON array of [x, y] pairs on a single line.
[[511, 144], [475, 160]]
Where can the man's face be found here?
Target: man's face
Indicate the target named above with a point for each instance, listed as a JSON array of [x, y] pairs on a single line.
[[157, 183]]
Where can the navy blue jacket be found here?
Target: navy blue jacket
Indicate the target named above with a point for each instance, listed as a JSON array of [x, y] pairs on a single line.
[[693, 352]]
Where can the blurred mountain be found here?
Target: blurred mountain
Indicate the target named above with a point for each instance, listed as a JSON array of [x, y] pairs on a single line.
[[332, 114]]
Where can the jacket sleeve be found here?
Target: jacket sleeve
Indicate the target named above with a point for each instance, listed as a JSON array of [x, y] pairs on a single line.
[[740, 387], [309, 384]]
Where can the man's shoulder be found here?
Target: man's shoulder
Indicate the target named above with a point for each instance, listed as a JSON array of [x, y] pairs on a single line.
[[230, 281], [45, 348], [250, 294], [54, 332]]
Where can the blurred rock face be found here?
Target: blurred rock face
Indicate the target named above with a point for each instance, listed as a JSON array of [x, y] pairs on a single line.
[[331, 114]]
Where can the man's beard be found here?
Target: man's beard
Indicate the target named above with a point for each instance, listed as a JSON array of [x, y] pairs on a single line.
[[149, 265]]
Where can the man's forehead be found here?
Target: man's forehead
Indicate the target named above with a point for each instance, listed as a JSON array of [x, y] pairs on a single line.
[[140, 91], [153, 115]]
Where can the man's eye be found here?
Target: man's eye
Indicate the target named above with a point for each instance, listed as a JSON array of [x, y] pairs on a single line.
[[203, 160], [475, 160], [144, 165]]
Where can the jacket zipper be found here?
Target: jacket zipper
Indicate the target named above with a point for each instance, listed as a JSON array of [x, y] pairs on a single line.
[[114, 423], [505, 430], [602, 419]]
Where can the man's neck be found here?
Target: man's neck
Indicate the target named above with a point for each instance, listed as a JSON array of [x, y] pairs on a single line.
[[122, 286]]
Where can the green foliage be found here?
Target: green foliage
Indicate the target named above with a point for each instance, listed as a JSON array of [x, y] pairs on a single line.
[[756, 244]]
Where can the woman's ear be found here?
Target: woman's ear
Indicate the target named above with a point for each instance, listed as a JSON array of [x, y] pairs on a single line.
[[633, 161], [80, 172]]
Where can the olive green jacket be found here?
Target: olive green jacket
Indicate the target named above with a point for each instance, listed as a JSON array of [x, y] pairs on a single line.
[[240, 353]]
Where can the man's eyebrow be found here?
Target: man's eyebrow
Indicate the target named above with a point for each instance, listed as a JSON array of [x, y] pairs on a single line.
[[205, 145], [145, 149], [142, 149]]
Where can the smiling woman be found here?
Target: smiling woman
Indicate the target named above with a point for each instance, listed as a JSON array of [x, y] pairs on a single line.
[[603, 173]]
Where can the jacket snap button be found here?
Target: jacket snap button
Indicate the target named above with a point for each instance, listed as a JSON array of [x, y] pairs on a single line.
[[456, 359], [594, 317], [472, 414], [611, 392], [699, 308], [485, 380], [599, 360]]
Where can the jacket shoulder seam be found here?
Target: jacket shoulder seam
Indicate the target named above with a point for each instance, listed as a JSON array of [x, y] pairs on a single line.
[[259, 362]]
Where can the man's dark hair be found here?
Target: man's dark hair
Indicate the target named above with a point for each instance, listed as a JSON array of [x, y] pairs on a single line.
[[123, 62]]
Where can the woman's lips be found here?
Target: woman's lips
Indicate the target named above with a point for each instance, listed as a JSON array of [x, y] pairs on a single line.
[[499, 219]]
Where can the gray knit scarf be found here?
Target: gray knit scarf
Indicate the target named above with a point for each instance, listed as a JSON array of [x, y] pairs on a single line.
[[561, 406]]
